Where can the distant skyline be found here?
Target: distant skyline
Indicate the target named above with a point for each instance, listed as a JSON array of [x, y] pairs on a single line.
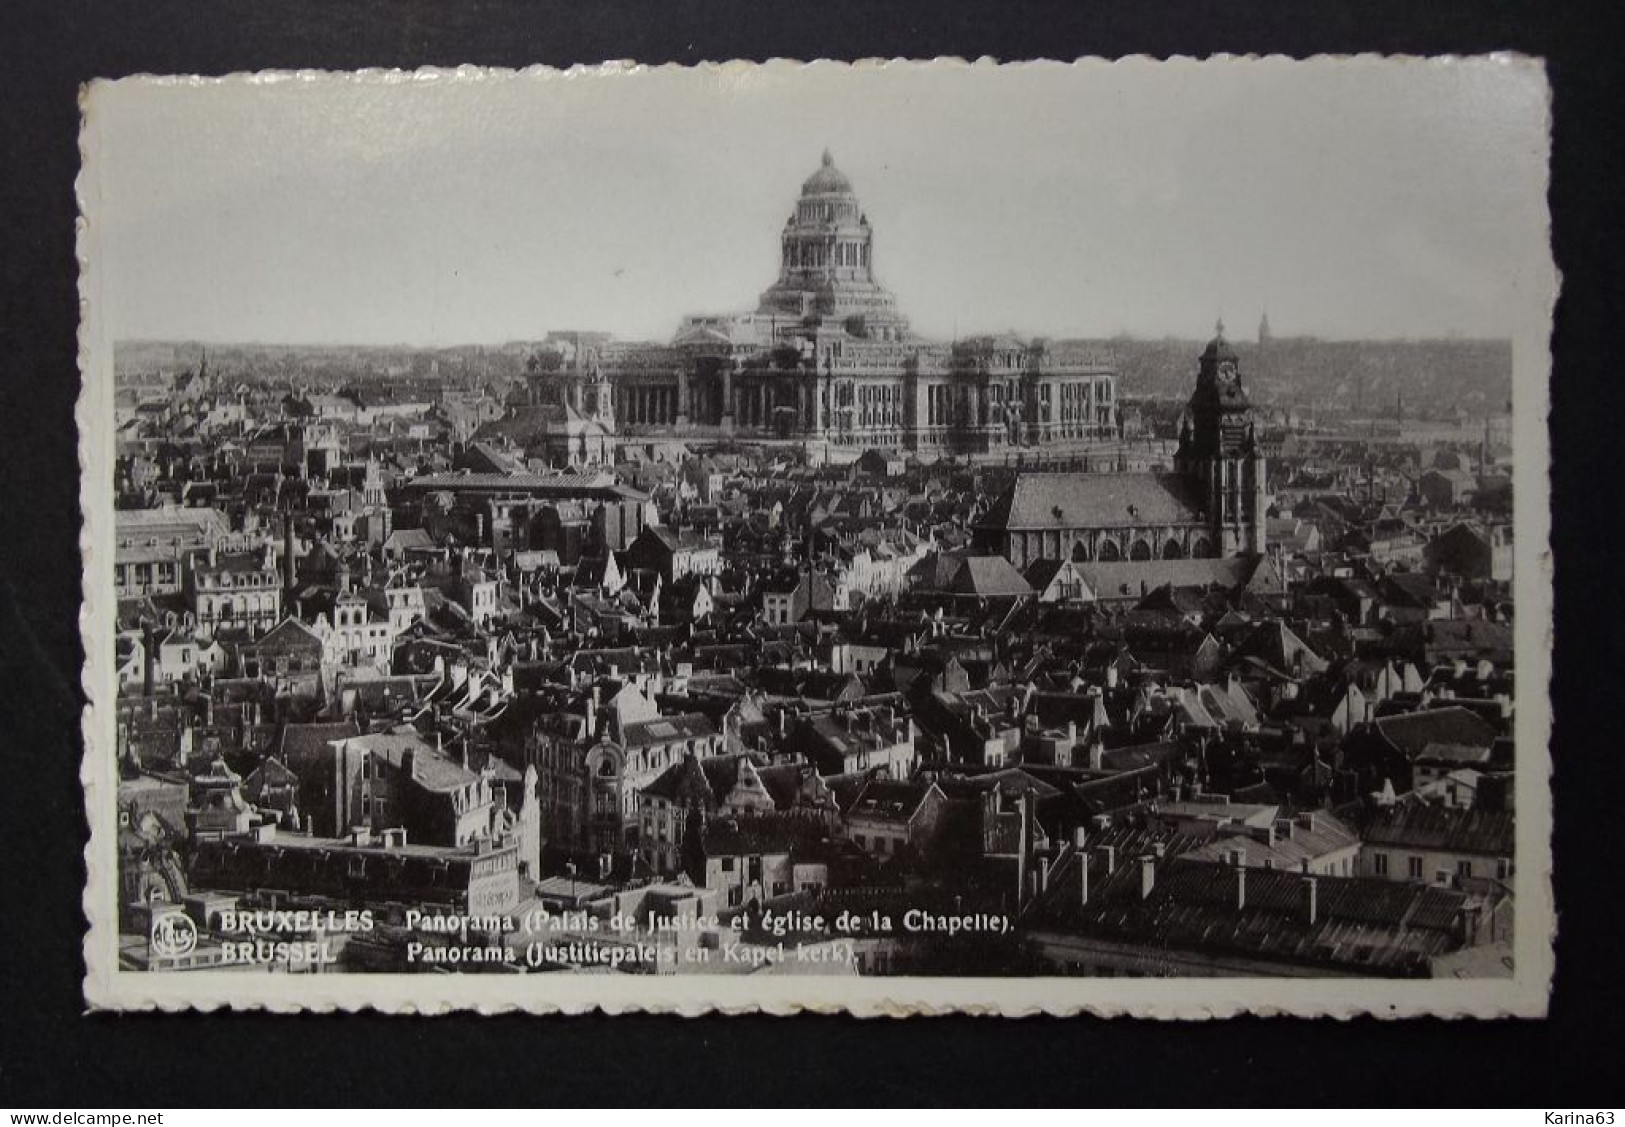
[[1365, 200]]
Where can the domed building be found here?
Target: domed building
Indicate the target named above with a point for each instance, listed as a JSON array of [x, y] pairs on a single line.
[[825, 272], [827, 360]]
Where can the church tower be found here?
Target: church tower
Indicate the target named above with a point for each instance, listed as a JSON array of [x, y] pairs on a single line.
[[374, 498], [597, 397], [1219, 454]]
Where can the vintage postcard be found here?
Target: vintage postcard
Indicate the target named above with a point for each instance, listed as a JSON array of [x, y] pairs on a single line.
[[894, 538]]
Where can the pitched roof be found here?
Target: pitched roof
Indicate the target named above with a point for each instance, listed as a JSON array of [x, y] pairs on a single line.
[[204, 520], [409, 539], [676, 540], [528, 424], [1361, 925], [1040, 573], [1085, 500], [1444, 828], [289, 632], [934, 570], [683, 779], [428, 767], [882, 798], [1414, 732], [988, 577], [600, 485], [1307, 838], [1139, 577], [762, 833], [300, 743], [665, 729], [1274, 643]]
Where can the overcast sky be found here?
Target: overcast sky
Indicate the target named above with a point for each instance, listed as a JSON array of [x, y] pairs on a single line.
[[1353, 200]]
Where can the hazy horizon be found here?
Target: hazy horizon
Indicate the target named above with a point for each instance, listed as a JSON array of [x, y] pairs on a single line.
[[1363, 200], [1245, 338]]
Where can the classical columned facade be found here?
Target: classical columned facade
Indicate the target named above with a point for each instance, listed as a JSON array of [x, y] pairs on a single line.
[[907, 396], [827, 357]]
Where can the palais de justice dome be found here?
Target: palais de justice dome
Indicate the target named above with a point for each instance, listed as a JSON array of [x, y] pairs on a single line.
[[826, 359]]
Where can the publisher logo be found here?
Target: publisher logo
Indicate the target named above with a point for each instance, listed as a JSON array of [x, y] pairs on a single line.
[[173, 935]]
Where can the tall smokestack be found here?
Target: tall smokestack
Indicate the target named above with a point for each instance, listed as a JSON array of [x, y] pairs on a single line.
[[288, 583]]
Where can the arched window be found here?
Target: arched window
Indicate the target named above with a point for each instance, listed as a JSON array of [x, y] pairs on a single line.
[[1201, 549], [1140, 551], [1080, 552], [1110, 552], [1173, 551]]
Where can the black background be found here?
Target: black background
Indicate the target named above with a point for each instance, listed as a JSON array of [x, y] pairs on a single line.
[[52, 1054]]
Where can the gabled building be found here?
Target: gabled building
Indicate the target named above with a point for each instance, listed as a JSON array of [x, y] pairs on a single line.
[[391, 780], [290, 649], [238, 590], [889, 817], [674, 553], [788, 599], [1439, 845], [753, 861], [852, 738]]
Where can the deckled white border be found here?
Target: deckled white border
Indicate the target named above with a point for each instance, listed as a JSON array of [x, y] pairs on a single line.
[[108, 987]]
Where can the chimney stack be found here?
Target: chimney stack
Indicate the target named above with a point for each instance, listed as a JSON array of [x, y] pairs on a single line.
[[149, 658], [1311, 899], [1021, 851], [1241, 881], [1148, 876]]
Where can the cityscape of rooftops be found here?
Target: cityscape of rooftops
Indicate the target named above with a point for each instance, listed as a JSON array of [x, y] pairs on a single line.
[[798, 632]]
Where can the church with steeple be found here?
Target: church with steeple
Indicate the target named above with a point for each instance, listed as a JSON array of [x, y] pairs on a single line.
[[1214, 504]]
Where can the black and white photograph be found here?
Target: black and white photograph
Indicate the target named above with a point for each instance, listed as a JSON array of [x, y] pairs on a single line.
[[878, 537]]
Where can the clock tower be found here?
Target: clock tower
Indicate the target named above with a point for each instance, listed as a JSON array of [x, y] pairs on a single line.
[[1219, 454]]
